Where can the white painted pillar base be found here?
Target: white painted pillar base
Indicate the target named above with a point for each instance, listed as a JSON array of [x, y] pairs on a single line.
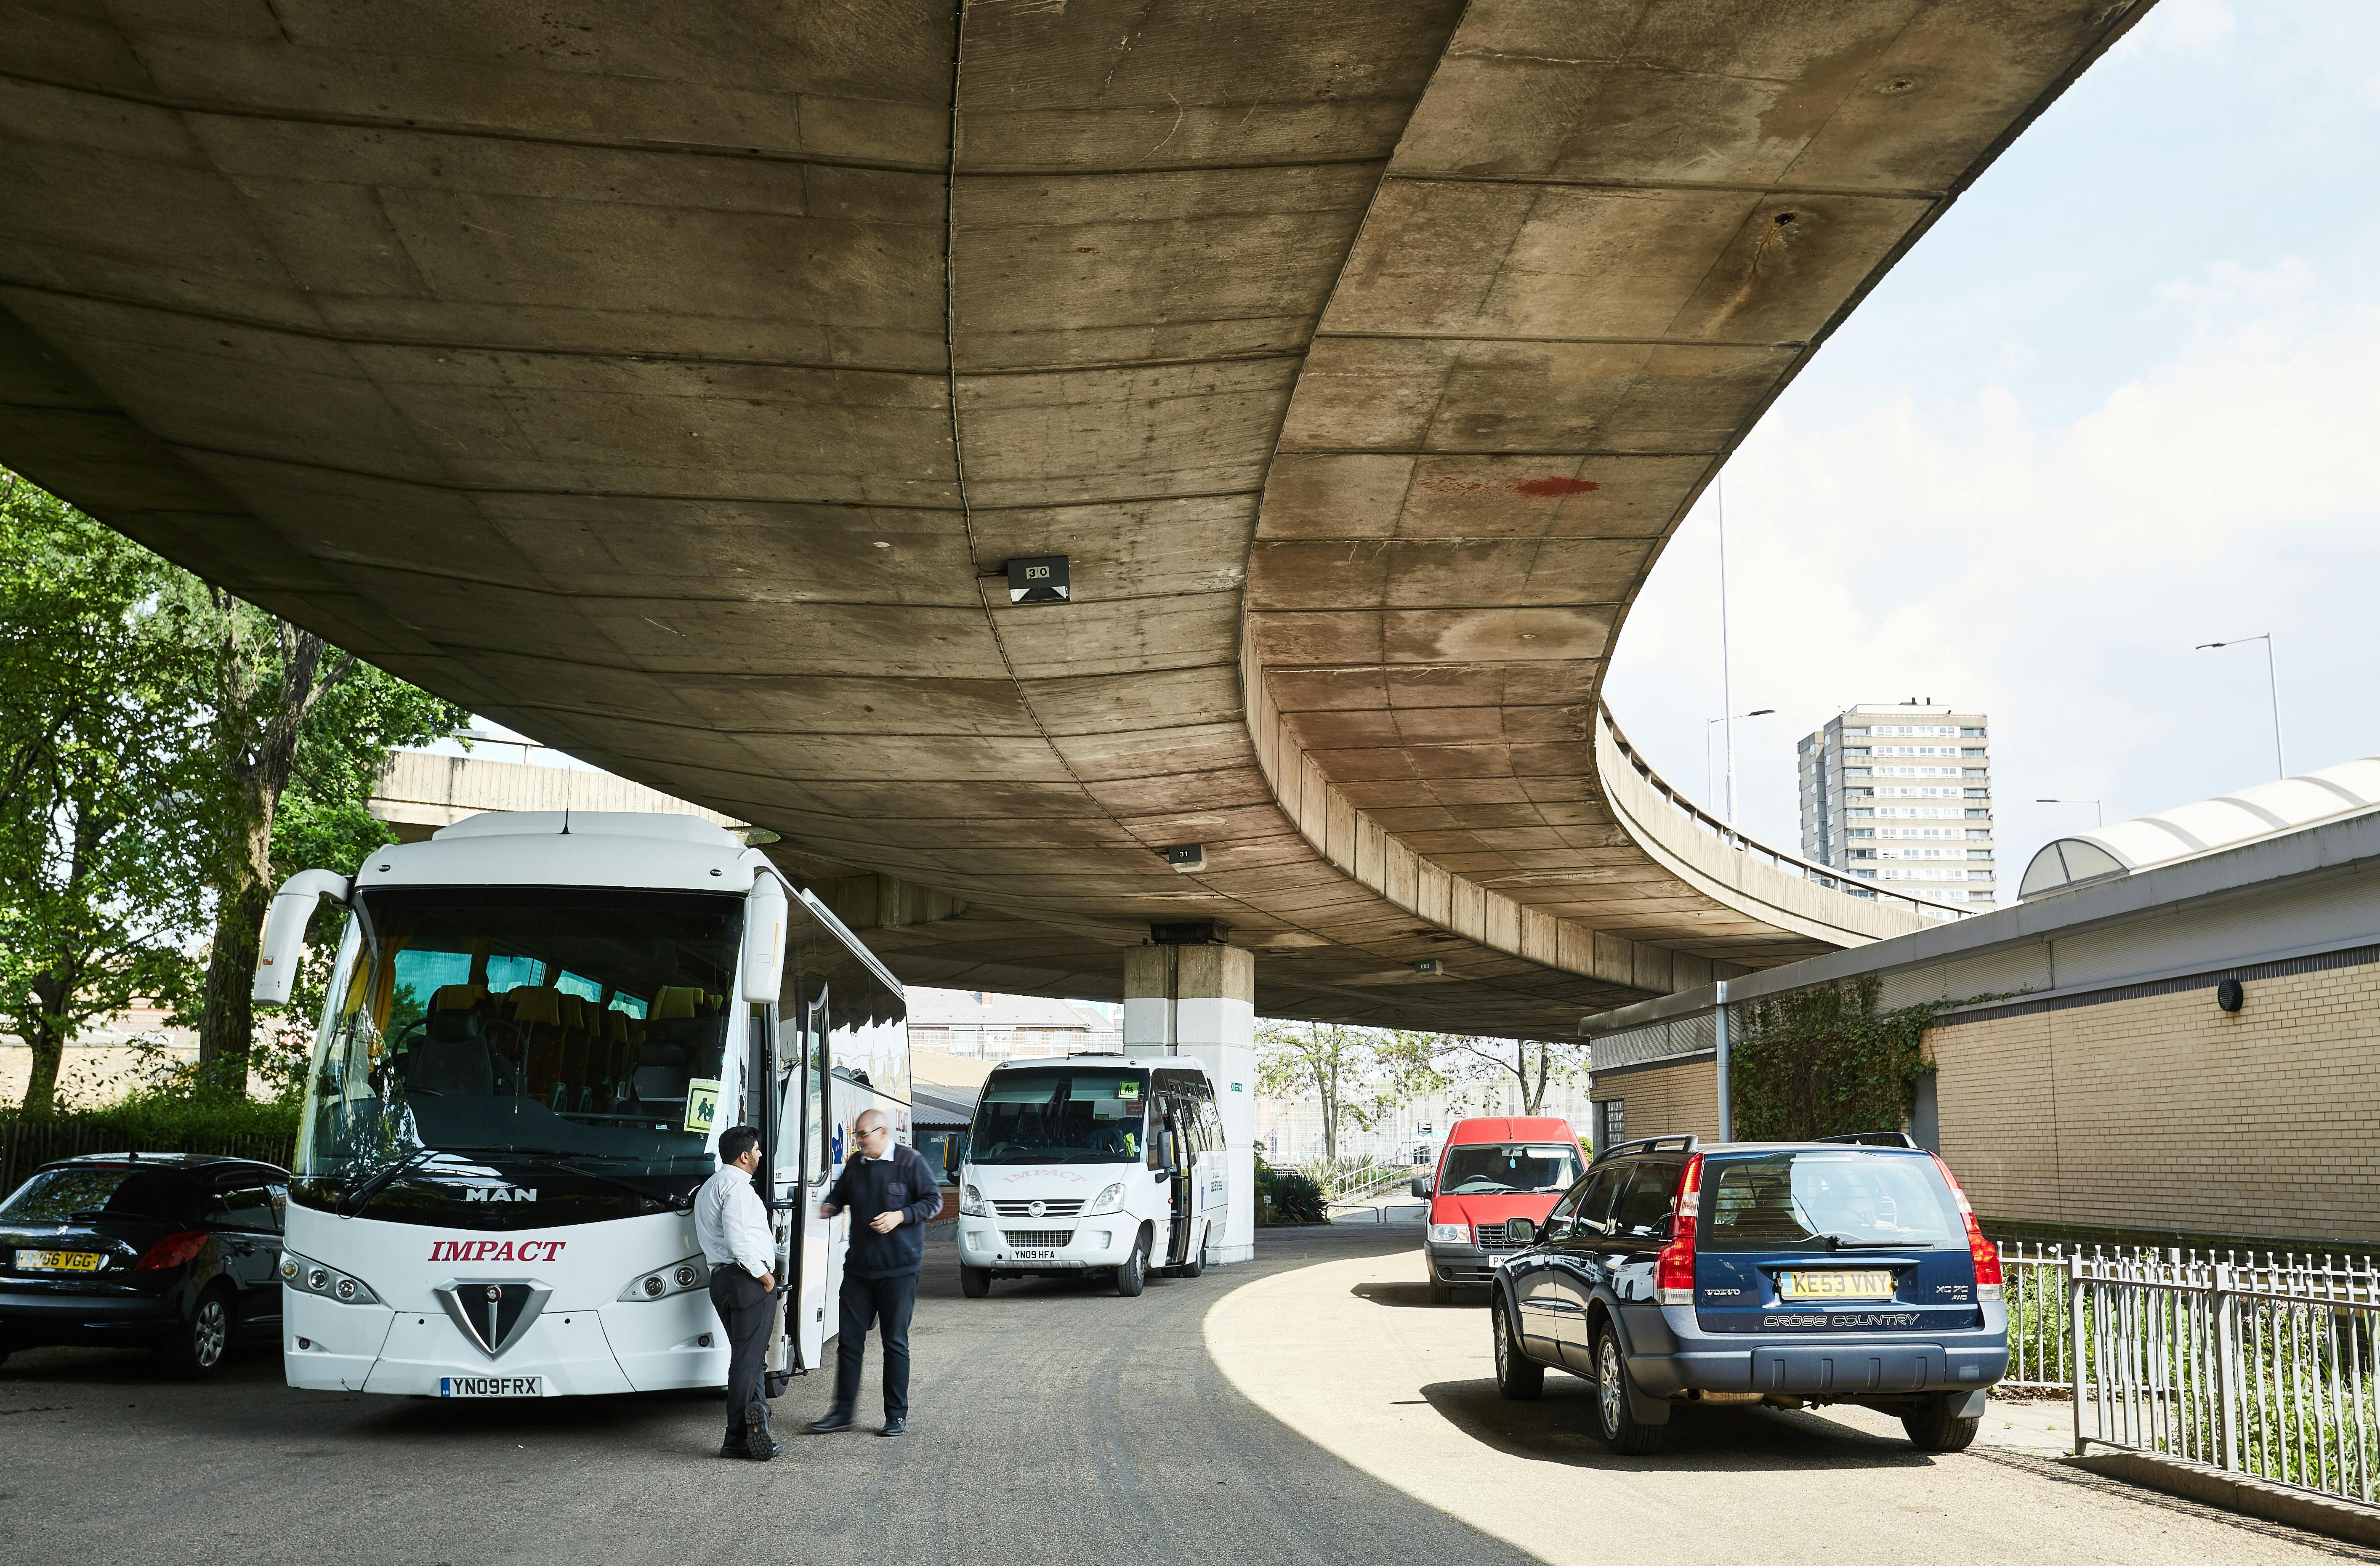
[[1201, 1001]]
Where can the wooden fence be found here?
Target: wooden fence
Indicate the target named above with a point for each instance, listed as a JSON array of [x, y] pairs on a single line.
[[27, 1144]]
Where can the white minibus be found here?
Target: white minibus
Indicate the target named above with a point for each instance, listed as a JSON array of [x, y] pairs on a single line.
[[1092, 1164]]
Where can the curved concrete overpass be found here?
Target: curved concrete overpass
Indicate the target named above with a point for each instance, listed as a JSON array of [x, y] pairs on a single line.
[[671, 387]]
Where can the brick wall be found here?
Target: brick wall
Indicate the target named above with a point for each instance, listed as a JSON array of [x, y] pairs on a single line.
[[1664, 1100], [2164, 1112]]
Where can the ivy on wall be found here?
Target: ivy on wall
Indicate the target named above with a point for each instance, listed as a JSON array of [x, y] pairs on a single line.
[[1825, 1062]]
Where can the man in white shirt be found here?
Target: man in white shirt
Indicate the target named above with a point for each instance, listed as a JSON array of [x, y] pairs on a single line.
[[731, 1223]]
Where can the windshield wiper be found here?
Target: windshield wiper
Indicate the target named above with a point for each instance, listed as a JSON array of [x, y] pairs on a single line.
[[361, 1198], [1854, 1242], [615, 1181]]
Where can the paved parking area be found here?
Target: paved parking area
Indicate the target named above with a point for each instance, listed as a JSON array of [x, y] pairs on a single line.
[[1236, 1418]]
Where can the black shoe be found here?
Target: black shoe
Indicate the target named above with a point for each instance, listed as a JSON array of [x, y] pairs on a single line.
[[732, 1447], [895, 1427], [837, 1420], [759, 1444]]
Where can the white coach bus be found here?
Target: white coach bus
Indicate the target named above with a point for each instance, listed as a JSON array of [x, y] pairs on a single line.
[[537, 1024]]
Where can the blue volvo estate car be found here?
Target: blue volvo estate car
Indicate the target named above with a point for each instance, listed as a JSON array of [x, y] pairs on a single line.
[[1794, 1273]]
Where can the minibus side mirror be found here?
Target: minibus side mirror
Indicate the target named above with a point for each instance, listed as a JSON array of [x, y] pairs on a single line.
[[951, 1157], [1421, 1186]]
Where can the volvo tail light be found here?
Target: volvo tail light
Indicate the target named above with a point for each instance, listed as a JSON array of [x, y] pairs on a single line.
[[1987, 1254], [1673, 1271], [173, 1251]]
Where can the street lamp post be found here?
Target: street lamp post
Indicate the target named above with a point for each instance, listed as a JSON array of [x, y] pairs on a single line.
[[2272, 678], [2098, 816], [1709, 723]]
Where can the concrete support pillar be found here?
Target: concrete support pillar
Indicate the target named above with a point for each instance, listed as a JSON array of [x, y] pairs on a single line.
[[1201, 1001]]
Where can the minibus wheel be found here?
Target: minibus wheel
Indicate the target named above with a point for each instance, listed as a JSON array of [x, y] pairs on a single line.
[[975, 1283], [1133, 1276]]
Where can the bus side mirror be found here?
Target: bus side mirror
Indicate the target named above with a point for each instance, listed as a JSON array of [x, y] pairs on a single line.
[[278, 953], [764, 939], [951, 1157], [1421, 1186]]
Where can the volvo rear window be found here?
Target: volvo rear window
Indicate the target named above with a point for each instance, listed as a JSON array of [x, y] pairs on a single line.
[[1827, 1201]]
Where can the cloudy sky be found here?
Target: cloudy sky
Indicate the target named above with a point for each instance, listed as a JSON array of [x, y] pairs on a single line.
[[2121, 401]]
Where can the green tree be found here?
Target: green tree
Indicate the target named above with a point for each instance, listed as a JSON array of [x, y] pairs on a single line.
[[103, 784], [298, 736], [1358, 1076], [1533, 1064]]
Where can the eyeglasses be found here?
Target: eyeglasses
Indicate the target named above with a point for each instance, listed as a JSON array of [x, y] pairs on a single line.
[[876, 1130]]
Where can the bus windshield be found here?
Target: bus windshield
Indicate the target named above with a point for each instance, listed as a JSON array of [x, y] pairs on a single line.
[[1059, 1115], [584, 1026]]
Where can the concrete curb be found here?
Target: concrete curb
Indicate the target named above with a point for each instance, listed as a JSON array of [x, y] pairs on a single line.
[[2348, 1520]]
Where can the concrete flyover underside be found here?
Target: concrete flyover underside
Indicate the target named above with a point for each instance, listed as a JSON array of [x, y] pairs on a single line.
[[672, 384]]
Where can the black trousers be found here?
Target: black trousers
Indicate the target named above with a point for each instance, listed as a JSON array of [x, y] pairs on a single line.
[[743, 1311], [887, 1301]]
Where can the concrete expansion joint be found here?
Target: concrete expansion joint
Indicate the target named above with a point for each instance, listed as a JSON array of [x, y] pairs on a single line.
[[284, 114]]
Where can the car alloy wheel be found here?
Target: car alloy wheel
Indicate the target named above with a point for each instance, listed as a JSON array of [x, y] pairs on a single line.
[[1502, 1334], [209, 1328], [1614, 1395]]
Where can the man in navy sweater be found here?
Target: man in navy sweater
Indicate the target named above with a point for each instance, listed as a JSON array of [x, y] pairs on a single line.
[[892, 1194]]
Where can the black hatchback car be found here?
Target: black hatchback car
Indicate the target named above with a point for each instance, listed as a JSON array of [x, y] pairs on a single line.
[[1849, 1269], [179, 1252]]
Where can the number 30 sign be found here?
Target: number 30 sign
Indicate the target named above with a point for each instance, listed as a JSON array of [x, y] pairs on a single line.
[[1042, 580]]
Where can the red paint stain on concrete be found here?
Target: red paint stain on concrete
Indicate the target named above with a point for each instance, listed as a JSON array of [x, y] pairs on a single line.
[[1548, 489]]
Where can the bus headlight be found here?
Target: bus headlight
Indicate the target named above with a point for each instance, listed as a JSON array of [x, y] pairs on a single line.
[[676, 1278], [971, 1202], [299, 1273], [1449, 1234], [1109, 1200]]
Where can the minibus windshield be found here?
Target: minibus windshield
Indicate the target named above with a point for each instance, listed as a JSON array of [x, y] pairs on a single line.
[[1059, 1115], [569, 1024]]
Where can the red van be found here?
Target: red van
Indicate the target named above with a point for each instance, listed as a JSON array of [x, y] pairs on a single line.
[[1491, 1169]]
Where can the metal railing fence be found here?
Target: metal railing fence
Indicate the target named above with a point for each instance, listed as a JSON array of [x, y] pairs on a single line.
[[2262, 1365], [1356, 1183]]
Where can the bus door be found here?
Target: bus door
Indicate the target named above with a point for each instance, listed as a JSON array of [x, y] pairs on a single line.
[[1213, 1176], [765, 1110], [1173, 1149], [813, 1255]]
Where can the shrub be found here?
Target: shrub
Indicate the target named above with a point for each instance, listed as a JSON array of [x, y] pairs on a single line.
[[1293, 1197]]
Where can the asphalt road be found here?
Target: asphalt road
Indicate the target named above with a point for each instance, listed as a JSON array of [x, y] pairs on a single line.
[[1050, 1424]]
